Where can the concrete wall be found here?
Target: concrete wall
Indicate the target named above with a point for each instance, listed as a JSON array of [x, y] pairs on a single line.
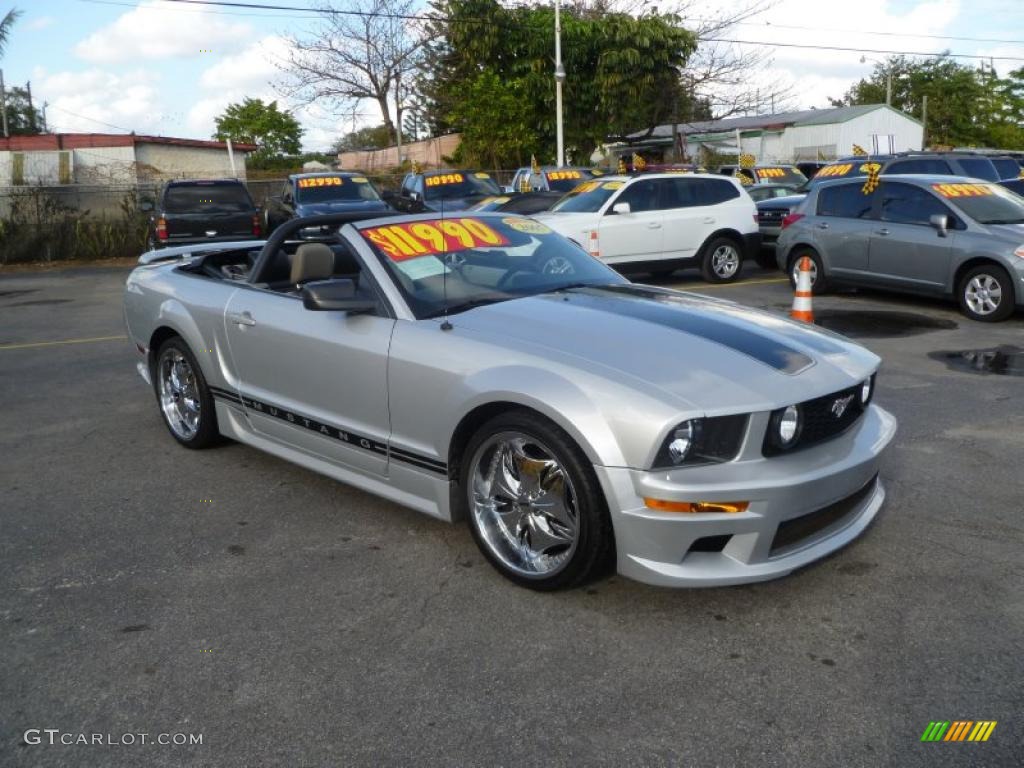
[[429, 153], [169, 161], [104, 165]]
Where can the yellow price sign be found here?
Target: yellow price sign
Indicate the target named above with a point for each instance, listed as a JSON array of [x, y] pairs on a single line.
[[444, 178], [963, 190], [563, 175], [320, 181], [770, 173], [432, 237], [835, 170]]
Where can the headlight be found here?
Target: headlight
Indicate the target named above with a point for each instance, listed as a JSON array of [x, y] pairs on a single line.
[[866, 390], [1019, 252], [702, 441], [784, 426]]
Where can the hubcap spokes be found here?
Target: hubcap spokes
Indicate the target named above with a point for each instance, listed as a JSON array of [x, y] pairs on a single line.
[[725, 261], [524, 504], [983, 294], [179, 394], [796, 272]]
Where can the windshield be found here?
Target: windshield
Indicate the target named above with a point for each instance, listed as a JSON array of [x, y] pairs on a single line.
[[193, 198], [325, 189], [985, 203], [447, 186], [783, 174], [466, 261], [565, 179], [1006, 167], [588, 197], [979, 168]]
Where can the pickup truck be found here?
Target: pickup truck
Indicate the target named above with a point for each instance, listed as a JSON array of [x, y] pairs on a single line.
[[201, 211]]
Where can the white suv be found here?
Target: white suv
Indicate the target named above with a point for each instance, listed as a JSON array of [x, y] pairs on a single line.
[[660, 222]]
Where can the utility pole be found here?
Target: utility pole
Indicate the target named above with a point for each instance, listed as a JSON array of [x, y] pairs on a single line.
[[924, 121], [559, 79], [3, 103], [888, 87], [31, 109]]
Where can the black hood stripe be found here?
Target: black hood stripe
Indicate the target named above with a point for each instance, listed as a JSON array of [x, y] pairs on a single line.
[[701, 319]]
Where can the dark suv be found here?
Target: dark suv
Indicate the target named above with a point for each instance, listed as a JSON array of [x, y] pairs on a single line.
[[770, 213], [201, 211]]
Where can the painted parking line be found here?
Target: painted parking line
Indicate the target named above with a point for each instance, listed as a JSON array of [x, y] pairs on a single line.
[[36, 344], [715, 286]]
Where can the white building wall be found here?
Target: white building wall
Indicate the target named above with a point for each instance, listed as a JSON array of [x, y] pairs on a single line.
[[166, 161], [907, 134], [104, 165]]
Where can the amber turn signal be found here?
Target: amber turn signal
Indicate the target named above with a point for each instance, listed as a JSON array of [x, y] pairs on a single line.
[[661, 505]]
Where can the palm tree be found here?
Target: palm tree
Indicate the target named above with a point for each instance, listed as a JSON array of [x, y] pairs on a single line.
[[5, 27]]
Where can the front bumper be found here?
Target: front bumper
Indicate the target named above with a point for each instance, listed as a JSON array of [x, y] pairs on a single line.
[[832, 488]]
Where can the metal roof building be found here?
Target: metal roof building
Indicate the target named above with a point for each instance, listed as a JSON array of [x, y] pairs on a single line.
[[811, 134]]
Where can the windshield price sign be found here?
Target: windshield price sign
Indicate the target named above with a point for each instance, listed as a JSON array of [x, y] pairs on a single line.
[[321, 181], [444, 178], [434, 237]]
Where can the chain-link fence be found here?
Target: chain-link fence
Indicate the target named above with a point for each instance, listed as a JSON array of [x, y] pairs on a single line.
[[87, 222]]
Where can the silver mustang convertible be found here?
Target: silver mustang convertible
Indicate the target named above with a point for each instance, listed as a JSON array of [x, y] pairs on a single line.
[[480, 366]]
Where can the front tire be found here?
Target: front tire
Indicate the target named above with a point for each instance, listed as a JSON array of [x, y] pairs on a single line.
[[535, 507], [819, 280], [185, 401], [986, 294], [722, 261]]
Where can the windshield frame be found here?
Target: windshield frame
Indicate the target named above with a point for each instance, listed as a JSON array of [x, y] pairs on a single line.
[[302, 194], [456, 302], [588, 187]]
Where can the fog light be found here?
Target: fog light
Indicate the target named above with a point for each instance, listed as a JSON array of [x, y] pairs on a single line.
[[728, 507], [865, 391], [787, 426]]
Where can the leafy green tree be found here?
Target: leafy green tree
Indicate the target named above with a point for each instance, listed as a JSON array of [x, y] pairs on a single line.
[[6, 24], [370, 137], [274, 131], [623, 73], [23, 117], [496, 121]]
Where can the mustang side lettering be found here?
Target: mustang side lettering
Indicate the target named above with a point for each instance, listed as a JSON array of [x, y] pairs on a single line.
[[481, 367]]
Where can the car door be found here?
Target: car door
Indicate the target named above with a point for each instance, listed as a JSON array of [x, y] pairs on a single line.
[[905, 248], [314, 381], [687, 220], [842, 227], [638, 235]]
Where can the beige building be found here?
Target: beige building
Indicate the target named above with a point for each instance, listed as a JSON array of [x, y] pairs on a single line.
[[428, 153]]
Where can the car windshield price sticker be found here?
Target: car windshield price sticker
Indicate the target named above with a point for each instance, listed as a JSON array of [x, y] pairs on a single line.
[[444, 178], [321, 181], [963, 190], [560, 175], [835, 170], [481, 175], [770, 173], [429, 238]]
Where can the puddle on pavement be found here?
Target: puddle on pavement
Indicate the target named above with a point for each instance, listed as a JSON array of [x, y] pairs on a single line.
[[877, 325], [1002, 361]]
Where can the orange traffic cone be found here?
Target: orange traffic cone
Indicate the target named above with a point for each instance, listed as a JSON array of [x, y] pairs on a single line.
[[802, 298]]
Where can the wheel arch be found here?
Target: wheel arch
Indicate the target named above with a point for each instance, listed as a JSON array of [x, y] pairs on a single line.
[[174, 319], [727, 232], [979, 261]]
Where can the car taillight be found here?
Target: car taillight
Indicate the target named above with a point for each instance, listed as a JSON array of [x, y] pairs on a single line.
[[161, 228], [256, 230], [792, 218], [755, 219]]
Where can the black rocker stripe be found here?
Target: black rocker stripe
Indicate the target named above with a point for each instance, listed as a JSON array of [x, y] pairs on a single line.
[[329, 430]]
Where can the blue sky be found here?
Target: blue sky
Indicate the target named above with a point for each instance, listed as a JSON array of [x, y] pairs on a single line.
[[157, 67]]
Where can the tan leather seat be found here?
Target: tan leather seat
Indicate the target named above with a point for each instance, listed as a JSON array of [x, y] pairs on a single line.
[[312, 261]]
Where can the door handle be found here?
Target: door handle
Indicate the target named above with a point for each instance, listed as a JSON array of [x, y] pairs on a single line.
[[882, 231], [823, 225], [709, 220], [241, 318], [654, 225]]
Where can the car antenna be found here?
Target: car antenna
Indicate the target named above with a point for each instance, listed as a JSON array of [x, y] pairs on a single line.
[[445, 325]]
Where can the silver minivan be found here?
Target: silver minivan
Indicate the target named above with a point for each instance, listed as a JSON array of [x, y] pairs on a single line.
[[925, 234]]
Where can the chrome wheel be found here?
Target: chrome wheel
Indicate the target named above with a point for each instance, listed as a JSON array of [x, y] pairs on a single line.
[[179, 393], [796, 270], [983, 294], [558, 265], [725, 261], [523, 504]]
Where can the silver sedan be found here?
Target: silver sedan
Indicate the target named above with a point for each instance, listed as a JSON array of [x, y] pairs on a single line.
[[481, 367]]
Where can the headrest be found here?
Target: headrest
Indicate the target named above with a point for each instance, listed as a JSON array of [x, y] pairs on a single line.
[[312, 261]]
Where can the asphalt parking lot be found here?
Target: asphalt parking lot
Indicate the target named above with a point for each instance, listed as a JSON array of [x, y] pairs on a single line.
[[294, 621]]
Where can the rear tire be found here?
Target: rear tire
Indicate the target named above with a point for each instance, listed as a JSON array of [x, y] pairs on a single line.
[[819, 279], [986, 294], [535, 507], [185, 401], [721, 260]]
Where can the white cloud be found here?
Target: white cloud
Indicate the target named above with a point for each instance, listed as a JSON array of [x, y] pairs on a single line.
[[153, 30], [98, 101]]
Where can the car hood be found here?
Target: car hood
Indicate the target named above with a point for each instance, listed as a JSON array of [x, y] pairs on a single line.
[[339, 206], [567, 222], [454, 203], [1013, 233], [699, 353]]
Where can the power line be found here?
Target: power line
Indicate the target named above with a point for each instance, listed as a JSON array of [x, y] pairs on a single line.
[[91, 119]]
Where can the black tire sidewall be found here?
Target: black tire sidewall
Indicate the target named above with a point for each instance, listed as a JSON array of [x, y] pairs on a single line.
[[207, 434], [1006, 305], [595, 546], [706, 269]]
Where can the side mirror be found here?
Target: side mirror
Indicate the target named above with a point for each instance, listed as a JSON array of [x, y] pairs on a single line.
[[621, 208], [941, 223], [146, 206], [414, 196], [335, 296]]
